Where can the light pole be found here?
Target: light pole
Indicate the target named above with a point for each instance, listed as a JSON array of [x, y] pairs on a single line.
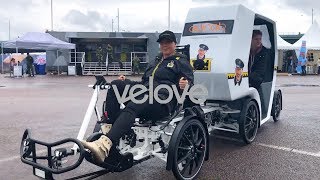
[[169, 16], [312, 15], [9, 30], [118, 20], [51, 17], [112, 26]]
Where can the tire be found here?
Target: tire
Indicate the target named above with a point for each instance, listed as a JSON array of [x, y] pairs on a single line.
[[190, 150], [276, 106], [25, 146], [249, 121]]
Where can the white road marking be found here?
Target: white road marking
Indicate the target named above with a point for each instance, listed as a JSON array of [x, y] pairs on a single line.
[[274, 147], [9, 159], [17, 157], [290, 150]]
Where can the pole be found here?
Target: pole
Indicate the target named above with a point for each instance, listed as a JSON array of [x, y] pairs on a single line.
[[9, 30], [118, 20], [312, 15], [112, 26], [2, 58], [51, 17], [169, 16], [58, 64]]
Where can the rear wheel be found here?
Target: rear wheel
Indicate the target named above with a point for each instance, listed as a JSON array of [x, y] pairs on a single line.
[[190, 150], [249, 121], [276, 106]]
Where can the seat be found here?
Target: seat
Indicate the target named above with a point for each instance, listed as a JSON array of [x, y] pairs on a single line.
[[152, 122]]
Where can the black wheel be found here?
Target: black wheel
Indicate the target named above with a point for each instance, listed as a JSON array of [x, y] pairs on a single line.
[[249, 121], [25, 149], [190, 150], [276, 106]]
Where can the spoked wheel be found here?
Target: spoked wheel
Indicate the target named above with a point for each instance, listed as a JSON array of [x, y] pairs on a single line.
[[249, 119], [190, 150], [276, 106]]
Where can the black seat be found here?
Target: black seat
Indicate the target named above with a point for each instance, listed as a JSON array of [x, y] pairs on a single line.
[[152, 122]]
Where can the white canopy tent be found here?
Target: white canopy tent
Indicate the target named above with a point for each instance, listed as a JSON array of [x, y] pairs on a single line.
[[312, 38], [37, 40]]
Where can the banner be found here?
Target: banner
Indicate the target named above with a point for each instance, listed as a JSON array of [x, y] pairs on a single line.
[[301, 57]]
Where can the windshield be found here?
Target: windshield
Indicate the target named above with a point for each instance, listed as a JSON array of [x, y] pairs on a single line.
[[208, 27]]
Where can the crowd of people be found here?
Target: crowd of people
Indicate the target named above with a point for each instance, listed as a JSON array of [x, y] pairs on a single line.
[[301, 65], [29, 66]]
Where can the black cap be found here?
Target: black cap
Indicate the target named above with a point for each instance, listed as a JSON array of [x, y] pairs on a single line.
[[239, 63], [167, 35], [204, 47]]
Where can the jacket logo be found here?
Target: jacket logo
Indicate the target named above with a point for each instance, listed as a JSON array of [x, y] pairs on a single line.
[[170, 64]]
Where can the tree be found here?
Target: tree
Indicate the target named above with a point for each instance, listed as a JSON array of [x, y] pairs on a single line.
[[100, 54]]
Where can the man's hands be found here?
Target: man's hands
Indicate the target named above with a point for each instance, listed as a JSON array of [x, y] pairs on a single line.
[[122, 77], [183, 82]]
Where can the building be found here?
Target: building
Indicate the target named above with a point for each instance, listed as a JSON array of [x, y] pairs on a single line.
[[124, 47]]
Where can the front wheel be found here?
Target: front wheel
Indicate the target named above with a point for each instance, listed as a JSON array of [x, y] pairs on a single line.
[[190, 150], [249, 121]]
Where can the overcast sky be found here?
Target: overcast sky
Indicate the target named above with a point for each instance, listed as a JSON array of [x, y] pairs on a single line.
[[137, 15]]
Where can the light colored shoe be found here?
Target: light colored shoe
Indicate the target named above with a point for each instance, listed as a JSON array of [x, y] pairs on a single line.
[[105, 128], [99, 148]]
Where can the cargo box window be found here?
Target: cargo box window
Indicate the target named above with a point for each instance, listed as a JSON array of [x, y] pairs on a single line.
[[208, 27]]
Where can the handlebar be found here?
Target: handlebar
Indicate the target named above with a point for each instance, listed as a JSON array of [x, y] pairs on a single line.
[[101, 86]]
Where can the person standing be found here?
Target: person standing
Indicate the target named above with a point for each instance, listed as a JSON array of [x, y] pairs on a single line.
[[290, 59], [12, 64], [318, 63], [136, 64], [30, 64], [303, 61]]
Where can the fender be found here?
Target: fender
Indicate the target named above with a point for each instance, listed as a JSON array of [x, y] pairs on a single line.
[[190, 113]]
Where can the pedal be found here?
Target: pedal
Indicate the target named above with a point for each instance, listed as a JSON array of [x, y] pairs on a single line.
[[125, 162]]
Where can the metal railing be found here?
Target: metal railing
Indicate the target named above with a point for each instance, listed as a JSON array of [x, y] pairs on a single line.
[[77, 57]]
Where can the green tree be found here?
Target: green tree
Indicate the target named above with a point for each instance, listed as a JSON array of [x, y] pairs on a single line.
[[89, 57], [100, 55]]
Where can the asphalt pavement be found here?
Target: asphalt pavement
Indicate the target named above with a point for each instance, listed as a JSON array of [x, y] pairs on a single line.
[[54, 107]]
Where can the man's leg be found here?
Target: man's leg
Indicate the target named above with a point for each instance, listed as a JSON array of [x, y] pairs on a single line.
[[29, 70], [127, 117], [32, 68], [100, 148], [112, 103]]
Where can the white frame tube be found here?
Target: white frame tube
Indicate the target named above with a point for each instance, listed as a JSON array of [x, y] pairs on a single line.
[[87, 117]]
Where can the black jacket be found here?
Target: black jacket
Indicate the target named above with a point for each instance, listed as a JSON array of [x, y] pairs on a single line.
[[258, 67], [199, 63], [167, 71]]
